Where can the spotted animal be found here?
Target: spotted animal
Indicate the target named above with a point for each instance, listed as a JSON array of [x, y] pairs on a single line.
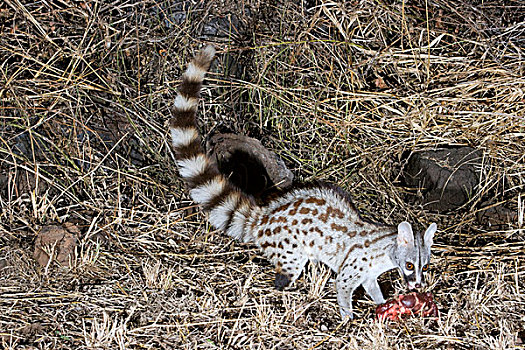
[[313, 223]]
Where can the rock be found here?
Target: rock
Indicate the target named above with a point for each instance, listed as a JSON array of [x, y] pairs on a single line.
[[249, 165], [58, 241], [447, 177]]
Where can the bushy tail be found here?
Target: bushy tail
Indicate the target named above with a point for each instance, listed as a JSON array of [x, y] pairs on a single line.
[[229, 209]]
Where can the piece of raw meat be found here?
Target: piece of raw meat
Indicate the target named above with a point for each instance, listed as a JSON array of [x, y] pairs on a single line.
[[409, 304]]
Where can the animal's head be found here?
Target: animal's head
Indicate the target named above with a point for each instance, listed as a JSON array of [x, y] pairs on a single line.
[[412, 254]]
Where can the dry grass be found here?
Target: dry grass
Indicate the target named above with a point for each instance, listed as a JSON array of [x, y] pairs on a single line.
[[339, 90]]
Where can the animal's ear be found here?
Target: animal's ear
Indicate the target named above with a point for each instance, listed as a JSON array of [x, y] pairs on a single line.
[[405, 236], [428, 238]]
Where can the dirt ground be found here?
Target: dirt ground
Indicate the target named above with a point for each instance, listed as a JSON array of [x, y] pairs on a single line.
[[100, 246]]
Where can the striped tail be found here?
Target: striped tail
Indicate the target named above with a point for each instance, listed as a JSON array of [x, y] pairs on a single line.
[[228, 208]]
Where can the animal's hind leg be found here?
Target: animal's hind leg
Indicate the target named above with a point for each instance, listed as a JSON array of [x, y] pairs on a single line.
[[288, 271]]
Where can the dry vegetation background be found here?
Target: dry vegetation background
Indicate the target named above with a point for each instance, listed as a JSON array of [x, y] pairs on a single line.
[[340, 90]]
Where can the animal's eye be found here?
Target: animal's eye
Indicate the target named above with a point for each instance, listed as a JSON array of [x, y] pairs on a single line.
[[409, 266], [425, 267]]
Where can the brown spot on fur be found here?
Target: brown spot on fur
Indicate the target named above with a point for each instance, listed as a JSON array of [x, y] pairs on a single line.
[[280, 245], [337, 227], [268, 232], [323, 217], [306, 221], [294, 245], [352, 234], [260, 233], [329, 239], [265, 245], [281, 208], [360, 224], [304, 210], [298, 203], [278, 219], [334, 212], [264, 220], [314, 212], [367, 243], [312, 243], [316, 229], [364, 258], [277, 230], [286, 240], [318, 201], [294, 222], [338, 213], [292, 212]]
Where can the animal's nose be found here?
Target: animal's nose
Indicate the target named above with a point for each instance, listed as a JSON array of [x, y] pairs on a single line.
[[417, 285]]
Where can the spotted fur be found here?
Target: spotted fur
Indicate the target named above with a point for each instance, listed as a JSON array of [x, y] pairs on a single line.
[[316, 223]]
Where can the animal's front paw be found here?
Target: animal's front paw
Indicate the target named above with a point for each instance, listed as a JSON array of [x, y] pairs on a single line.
[[346, 314]]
